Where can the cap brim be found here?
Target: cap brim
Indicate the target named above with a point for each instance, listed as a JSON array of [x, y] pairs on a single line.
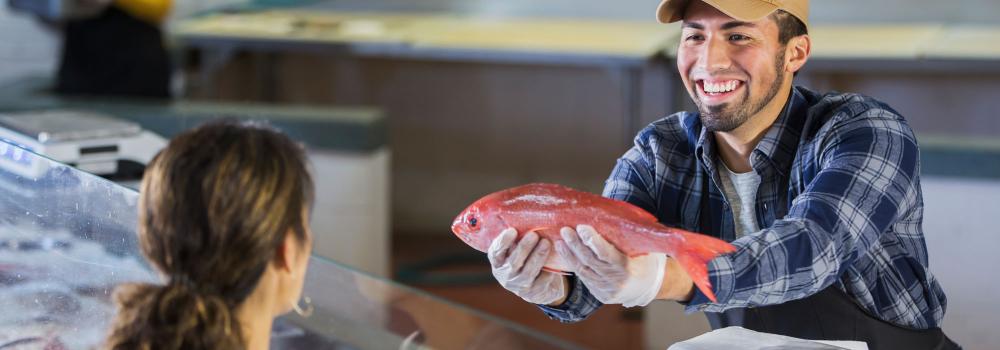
[[744, 10], [671, 11]]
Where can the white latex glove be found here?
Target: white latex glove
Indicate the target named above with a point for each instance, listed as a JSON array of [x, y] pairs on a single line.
[[518, 267], [610, 275]]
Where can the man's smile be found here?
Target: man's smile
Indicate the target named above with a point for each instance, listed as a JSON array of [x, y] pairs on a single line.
[[715, 91]]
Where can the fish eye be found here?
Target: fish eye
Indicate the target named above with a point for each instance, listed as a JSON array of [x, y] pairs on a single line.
[[473, 222]]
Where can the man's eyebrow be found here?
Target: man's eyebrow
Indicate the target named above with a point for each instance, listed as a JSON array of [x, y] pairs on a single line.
[[734, 24], [693, 25], [726, 26]]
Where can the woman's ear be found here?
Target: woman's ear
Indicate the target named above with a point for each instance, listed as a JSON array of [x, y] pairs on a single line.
[[797, 52], [284, 256]]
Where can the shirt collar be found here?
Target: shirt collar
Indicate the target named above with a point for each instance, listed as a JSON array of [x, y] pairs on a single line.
[[776, 150]]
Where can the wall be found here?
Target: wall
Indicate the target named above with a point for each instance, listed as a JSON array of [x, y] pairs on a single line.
[[933, 103], [350, 220], [460, 130], [962, 239], [26, 46]]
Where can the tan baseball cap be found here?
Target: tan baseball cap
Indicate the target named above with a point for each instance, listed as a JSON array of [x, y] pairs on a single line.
[[671, 11]]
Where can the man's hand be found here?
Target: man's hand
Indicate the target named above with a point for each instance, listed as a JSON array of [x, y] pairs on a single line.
[[518, 268], [611, 276]]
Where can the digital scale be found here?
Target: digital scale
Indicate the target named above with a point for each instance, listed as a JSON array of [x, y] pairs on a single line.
[[92, 142]]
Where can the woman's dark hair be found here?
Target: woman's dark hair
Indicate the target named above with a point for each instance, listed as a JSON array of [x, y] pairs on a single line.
[[214, 207]]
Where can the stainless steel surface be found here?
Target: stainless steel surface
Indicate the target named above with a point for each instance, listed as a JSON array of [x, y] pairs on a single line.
[[67, 125]]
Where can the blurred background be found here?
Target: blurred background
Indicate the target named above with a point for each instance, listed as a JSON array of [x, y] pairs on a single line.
[[414, 109]]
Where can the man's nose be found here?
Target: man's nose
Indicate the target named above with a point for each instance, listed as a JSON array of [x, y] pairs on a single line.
[[714, 55]]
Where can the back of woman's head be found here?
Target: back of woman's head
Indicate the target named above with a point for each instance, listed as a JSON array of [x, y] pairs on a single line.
[[214, 207]]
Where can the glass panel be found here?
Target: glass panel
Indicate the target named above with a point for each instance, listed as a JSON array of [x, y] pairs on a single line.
[[354, 310], [67, 238]]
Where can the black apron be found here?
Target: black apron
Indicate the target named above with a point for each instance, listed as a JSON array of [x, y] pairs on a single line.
[[114, 54], [830, 315]]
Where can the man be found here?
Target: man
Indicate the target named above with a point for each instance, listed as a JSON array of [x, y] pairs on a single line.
[[820, 194]]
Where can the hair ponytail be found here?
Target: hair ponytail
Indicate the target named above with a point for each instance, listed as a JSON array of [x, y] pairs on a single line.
[[174, 316]]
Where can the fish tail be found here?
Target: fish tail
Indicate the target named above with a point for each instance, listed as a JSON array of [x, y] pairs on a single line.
[[695, 253]]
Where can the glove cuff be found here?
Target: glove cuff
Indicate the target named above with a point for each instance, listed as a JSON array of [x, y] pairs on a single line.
[[552, 293], [645, 280]]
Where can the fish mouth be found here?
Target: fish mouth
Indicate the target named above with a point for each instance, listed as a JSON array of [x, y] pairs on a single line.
[[455, 224]]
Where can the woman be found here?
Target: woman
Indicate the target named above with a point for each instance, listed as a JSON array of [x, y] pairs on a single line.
[[223, 215]]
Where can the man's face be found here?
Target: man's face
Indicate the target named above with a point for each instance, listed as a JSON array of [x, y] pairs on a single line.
[[732, 69]]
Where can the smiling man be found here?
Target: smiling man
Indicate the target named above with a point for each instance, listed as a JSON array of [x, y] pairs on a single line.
[[820, 193]]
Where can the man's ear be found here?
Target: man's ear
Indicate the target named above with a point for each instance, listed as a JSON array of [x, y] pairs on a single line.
[[797, 52]]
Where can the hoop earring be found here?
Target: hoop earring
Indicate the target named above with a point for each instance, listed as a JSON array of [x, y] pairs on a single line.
[[410, 342], [307, 311]]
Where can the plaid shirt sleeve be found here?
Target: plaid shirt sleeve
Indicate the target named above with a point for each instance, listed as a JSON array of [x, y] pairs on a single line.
[[867, 166], [578, 306]]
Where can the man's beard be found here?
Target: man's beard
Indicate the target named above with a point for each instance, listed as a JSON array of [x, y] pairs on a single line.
[[725, 118]]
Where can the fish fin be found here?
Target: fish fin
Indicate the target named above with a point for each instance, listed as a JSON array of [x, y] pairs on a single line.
[[561, 272], [694, 255]]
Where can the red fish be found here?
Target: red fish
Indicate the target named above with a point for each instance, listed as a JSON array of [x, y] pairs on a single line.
[[545, 208]]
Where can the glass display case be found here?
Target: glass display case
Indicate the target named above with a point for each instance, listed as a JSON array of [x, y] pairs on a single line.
[[67, 239]]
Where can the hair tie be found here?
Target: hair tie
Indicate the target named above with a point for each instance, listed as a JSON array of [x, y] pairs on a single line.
[[186, 282]]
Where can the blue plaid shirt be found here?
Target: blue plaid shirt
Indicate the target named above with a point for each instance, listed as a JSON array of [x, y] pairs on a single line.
[[839, 200]]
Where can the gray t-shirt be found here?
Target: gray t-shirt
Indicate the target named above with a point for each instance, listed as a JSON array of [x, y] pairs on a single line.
[[741, 193]]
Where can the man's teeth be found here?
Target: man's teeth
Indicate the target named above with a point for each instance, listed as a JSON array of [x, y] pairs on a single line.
[[726, 86]]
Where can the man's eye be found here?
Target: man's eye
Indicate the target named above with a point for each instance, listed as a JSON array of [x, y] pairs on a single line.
[[738, 37], [694, 37]]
